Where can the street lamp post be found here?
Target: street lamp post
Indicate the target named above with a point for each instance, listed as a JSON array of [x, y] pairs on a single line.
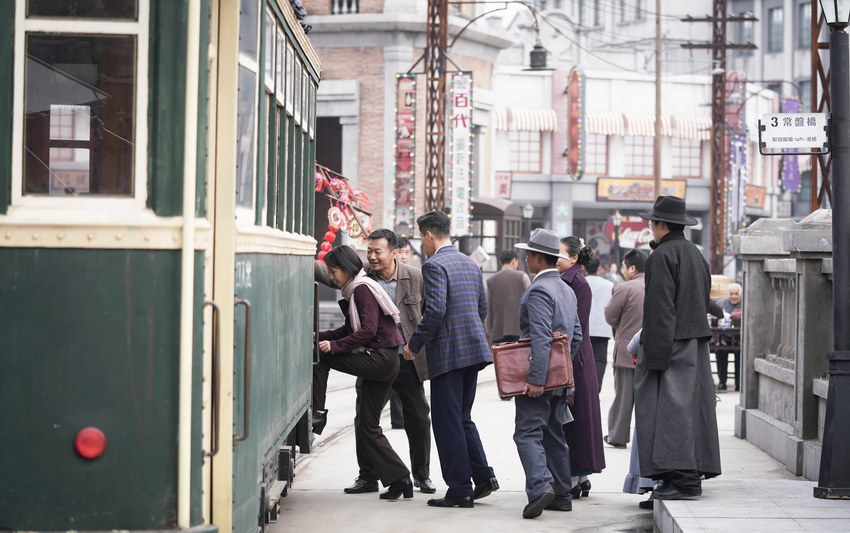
[[527, 215], [617, 219], [834, 477]]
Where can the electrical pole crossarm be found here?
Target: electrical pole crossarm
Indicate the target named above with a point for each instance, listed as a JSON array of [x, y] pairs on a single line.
[[746, 18], [714, 46]]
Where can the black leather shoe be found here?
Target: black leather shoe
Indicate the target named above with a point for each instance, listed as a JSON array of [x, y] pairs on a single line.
[[669, 492], [464, 503], [535, 507], [398, 488], [581, 490], [320, 419], [425, 485], [560, 504], [647, 504], [362, 485], [485, 488], [613, 444]]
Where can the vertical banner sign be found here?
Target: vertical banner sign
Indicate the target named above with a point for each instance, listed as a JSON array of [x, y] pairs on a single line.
[[789, 175], [405, 151], [575, 123], [736, 163], [460, 146]]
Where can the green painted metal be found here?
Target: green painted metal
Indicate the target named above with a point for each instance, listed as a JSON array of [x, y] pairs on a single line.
[[166, 106], [198, 459], [90, 338], [271, 169], [279, 288], [7, 42], [203, 119]]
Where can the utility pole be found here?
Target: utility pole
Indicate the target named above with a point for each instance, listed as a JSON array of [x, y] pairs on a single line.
[[656, 146], [436, 32], [718, 47], [821, 103]]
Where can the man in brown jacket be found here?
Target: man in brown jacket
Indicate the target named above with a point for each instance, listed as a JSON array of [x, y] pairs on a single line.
[[504, 290], [403, 283], [625, 314]]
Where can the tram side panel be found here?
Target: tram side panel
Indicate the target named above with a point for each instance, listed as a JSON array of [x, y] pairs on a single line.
[[90, 339], [279, 288]]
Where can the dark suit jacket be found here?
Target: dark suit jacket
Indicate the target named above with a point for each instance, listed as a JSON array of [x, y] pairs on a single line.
[[452, 327], [547, 306], [408, 300], [377, 330]]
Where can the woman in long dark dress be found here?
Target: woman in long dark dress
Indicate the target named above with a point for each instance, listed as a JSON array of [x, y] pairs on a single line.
[[365, 346], [584, 433]]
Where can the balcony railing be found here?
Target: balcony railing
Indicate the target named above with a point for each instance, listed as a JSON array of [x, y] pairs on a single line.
[[344, 7]]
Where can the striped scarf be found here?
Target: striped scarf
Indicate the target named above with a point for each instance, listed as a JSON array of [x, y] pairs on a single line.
[[387, 305]]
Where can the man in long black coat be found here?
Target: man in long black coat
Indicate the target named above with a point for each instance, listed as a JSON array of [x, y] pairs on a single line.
[[675, 414]]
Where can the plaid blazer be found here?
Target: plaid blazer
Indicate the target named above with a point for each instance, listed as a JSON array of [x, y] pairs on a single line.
[[452, 326]]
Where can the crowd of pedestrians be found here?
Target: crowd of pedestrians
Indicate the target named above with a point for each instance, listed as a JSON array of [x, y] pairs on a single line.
[[405, 325]]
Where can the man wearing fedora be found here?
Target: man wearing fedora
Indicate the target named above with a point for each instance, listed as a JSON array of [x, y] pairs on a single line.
[[548, 305], [674, 391]]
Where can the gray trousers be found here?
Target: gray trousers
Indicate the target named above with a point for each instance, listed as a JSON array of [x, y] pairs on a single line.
[[543, 452], [620, 414]]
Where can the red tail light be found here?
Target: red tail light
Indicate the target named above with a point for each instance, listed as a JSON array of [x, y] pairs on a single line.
[[90, 442]]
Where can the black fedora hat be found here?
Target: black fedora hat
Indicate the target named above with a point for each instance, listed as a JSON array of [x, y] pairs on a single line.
[[669, 209]]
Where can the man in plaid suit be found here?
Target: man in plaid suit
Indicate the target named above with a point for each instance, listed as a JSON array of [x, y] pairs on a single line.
[[452, 331]]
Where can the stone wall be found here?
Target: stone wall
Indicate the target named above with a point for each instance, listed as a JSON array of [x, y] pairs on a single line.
[[786, 332]]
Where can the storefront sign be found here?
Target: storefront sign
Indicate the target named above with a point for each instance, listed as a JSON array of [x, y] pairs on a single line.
[[405, 152], [756, 196], [503, 184], [636, 190], [634, 232], [460, 150], [575, 123]]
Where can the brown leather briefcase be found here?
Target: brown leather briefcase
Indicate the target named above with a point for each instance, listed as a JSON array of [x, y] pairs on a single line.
[[512, 361]]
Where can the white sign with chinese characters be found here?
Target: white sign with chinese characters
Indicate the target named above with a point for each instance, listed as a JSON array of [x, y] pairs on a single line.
[[461, 151], [794, 130]]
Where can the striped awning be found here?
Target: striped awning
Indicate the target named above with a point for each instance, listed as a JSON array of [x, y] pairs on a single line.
[[643, 125], [604, 123], [694, 127], [525, 118]]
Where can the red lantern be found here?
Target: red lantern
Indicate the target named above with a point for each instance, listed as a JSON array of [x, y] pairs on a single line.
[[330, 236], [333, 228], [321, 256], [326, 246]]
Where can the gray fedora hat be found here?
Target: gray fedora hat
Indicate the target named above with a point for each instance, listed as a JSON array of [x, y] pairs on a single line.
[[669, 209], [543, 241]]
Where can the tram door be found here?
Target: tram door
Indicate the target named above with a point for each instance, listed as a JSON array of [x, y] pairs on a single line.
[[261, 264]]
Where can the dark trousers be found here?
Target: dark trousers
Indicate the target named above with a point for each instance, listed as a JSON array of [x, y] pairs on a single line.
[[459, 447], [396, 410], [543, 452], [723, 366], [378, 368], [415, 407], [600, 357]]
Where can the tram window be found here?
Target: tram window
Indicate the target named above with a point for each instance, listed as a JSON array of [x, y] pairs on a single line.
[[305, 100], [296, 82], [246, 113], [249, 15], [280, 68], [269, 49], [80, 114], [113, 9], [290, 67]]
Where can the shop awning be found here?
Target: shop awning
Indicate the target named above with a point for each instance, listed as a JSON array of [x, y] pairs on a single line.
[[643, 125], [604, 123], [692, 127], [525, 118]]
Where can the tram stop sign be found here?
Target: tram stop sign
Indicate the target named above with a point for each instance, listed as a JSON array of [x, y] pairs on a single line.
[[794, 131]]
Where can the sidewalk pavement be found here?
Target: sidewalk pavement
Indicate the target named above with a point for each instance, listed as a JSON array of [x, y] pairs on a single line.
[[755, 492]]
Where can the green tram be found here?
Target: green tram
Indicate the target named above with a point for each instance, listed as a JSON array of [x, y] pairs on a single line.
[[156, 251]]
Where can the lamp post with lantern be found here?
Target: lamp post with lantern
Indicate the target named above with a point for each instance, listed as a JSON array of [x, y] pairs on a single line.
[[834, 476], [617, 219], [527, 215]]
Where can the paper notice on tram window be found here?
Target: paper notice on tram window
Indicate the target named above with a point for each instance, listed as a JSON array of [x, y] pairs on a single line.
[[794, 130]]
